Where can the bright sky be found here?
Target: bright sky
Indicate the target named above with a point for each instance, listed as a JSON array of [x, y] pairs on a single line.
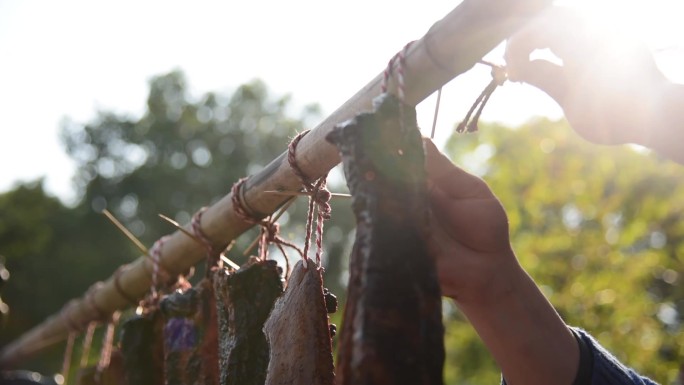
[[70, 58]]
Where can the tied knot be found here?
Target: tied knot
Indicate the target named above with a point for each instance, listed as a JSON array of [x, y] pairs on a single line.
[[271, 231], [322, 199]]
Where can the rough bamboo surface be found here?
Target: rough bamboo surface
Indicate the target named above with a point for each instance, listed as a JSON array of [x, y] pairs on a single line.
[[451, 47], [298, 332]]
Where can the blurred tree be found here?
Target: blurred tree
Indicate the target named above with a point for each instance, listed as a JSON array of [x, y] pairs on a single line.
[[52, 259], [600, 229], [183, 153]]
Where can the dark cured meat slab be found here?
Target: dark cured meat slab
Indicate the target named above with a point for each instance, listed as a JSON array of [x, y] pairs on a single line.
[[392, 330], [244, 299], [142, 347], [191, 336], [298, 332]]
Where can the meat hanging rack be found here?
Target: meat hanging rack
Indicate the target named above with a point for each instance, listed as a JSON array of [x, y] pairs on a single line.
[[449, 48]]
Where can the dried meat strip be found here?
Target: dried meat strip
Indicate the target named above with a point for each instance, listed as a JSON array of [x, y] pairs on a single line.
[[142, 347], [392, 330], [191, 336], [244, 300], [298, 331]]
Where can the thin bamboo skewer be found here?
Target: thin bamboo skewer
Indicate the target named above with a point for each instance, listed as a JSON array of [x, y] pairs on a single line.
[[452, 46]]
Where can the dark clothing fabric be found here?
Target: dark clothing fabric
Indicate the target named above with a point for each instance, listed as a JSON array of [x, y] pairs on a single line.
[[598, 367]]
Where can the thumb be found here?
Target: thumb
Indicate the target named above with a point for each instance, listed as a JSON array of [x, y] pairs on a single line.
[[548, 77]]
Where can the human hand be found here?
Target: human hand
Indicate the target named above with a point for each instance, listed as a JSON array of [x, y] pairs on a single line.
[[608, 85], [469, 231], [478, 269]]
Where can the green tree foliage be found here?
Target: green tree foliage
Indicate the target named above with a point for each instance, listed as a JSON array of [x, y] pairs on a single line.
[[182, 154], [52, 258], [599, 228]]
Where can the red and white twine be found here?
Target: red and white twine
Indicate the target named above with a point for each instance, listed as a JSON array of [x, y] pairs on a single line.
[[400, 61], [155, 253], [269, 232], [319, 200]]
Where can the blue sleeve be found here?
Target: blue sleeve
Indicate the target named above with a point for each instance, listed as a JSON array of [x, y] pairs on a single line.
[[607, 370], [599, 367]]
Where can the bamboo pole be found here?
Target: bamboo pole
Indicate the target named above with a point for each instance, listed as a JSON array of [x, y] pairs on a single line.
[[451, 46]]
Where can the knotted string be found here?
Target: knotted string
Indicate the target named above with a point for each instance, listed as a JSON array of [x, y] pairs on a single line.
[[498, 78], [319, 200], [269, 230]]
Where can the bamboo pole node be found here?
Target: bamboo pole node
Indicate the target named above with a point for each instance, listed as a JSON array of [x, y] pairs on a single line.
[[117, 286], [101, 314]]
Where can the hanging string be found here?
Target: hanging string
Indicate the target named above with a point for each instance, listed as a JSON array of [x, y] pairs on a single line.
[[107, 345], [66, 364], [400, 60], [434, 119], [319, 200], [269, 229], [498, 79], [87, 343], [74, 329]]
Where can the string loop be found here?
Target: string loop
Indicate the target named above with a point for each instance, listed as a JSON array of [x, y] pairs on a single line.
[[499, 77], [269, 229]]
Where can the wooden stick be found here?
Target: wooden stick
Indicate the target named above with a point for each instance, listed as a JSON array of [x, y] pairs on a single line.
[[274, 219], [303, 193], [452, 46], [127, 233], [190, 234]]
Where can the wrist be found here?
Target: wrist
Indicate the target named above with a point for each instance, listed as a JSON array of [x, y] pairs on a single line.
[[497, 278], [524, 333]]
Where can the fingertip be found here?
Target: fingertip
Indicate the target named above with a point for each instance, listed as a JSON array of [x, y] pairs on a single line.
[[436, 163]]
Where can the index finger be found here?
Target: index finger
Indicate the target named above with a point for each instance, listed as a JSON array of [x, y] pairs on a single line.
[[451, 180]]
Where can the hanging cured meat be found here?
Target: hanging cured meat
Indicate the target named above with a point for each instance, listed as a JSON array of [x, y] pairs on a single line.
[[299, 333], [191, 336], [392, 331], [142, 347], [244, 299]]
